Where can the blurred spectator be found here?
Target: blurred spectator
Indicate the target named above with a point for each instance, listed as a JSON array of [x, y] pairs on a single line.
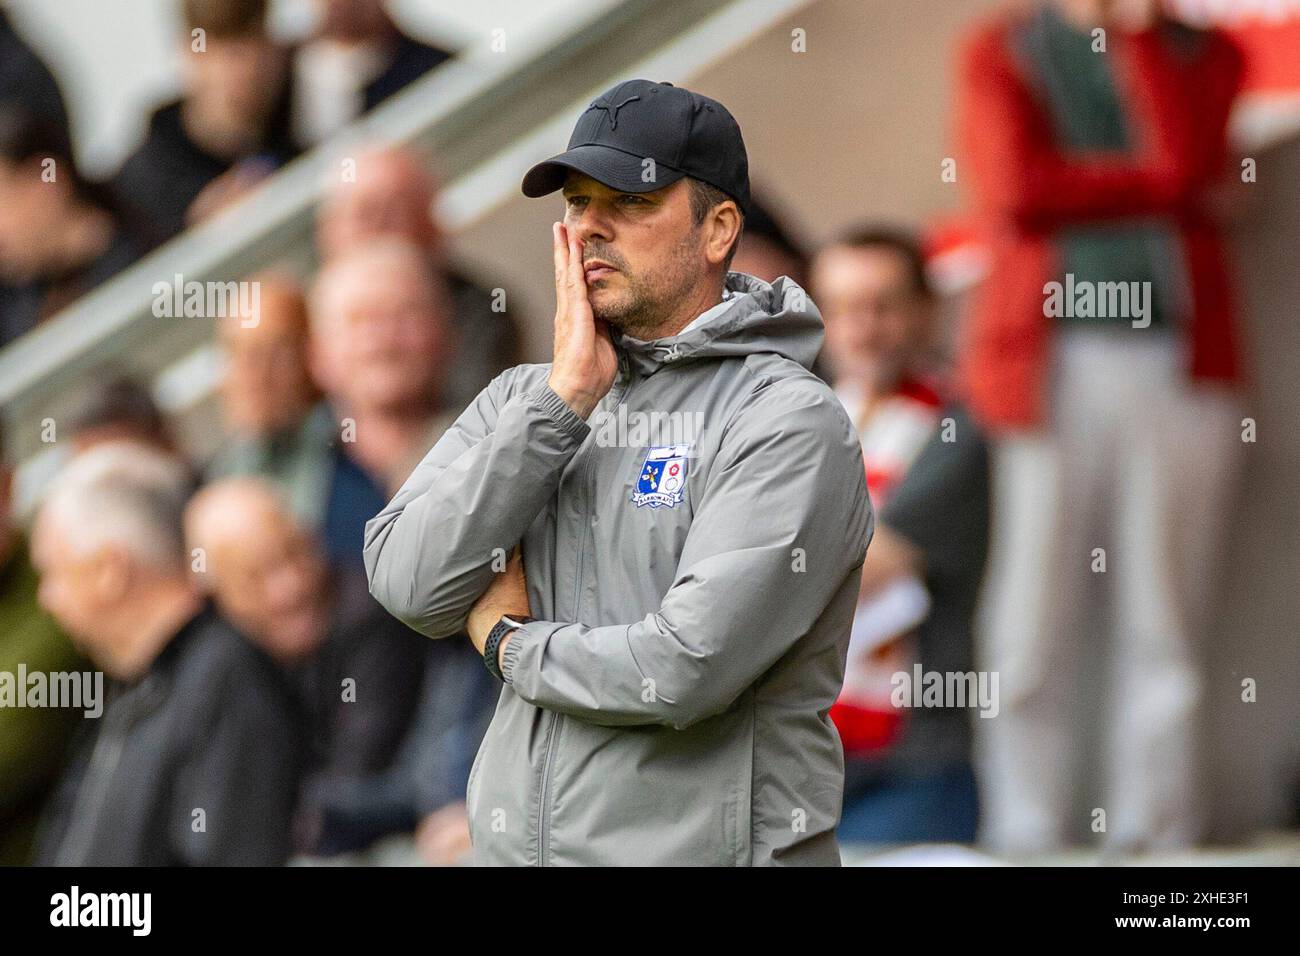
[[25, 79], [424, 789], [357, 59], [32, 739], [195, 758], [1115, 415], [60, 236], [908, 773], [276, 425], [118, 409], [229, 130], [356, 669], [768, 250], [381, 350], [393, 194]]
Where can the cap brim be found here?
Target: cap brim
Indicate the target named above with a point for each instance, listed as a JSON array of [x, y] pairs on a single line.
[[612, 167]]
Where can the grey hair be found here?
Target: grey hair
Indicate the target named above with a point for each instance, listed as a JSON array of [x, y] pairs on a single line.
[[124, 494]]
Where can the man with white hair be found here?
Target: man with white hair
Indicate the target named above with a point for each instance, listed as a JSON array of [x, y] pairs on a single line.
[[32, 739], [194, 761]]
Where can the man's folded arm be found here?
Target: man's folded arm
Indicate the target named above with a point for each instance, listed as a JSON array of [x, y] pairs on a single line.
[[429, 554], [1017, 173], [784, 521]]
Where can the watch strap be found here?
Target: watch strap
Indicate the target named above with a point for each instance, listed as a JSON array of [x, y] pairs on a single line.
[[492, 646]]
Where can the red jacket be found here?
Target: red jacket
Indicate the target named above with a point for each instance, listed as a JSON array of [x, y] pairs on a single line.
[[1026, 188]]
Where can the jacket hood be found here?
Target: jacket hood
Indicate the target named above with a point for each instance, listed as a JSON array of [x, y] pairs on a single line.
[[779, 318]]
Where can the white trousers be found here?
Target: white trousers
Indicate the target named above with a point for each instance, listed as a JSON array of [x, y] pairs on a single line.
[[1099, 670]]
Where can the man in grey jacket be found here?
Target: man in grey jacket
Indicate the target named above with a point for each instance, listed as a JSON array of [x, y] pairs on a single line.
[[691, 508]]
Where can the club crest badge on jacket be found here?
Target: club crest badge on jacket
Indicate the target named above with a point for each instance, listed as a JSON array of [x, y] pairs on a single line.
[[661, 482]]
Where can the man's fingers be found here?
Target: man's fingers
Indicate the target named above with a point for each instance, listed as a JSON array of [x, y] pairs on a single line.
[[577, 276], [559, 250], [560, 253]]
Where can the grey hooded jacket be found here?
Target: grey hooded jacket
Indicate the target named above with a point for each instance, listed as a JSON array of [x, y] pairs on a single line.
[[693, 591]]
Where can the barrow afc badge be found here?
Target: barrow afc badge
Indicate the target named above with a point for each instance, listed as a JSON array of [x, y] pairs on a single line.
[[661, 482]]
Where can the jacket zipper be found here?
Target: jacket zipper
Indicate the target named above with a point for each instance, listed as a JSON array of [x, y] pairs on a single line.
[[553, 735]]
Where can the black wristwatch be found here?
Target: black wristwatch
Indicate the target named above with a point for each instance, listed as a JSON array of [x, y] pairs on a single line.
[[493, 643]]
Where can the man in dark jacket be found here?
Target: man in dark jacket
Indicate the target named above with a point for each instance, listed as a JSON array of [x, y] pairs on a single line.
[[356, 671], [423, 790], [229, 130], [60, 235], [195, 759], [356, 60]]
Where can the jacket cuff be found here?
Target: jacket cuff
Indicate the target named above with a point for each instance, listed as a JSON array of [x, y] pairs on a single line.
[[558, 410], [510, 656]]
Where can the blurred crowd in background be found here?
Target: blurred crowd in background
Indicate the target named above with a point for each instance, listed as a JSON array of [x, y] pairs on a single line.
[[262, 707]]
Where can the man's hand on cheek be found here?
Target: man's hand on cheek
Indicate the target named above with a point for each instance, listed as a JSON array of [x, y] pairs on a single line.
[[507, 594], [584, 363]]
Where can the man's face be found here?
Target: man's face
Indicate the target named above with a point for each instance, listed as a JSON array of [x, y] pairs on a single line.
[[33, 212], [875, 320], [271, 585], [84, 592], [385, 348], [234, 81], [266, 387], [649, 239], [386, 200], [351, 19]]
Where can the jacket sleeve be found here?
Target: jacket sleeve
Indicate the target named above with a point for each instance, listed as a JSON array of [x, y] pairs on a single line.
[[784, 520], [429, 553]]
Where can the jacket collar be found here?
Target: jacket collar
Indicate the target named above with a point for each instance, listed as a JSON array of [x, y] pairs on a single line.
[[754, 317]]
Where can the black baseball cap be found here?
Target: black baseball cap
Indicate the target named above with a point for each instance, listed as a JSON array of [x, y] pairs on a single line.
[[685, 133]]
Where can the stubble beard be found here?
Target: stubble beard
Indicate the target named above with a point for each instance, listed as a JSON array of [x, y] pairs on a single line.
[[647, 302]]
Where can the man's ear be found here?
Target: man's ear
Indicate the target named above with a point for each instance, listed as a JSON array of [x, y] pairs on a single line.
[[109, 574], [724, 229]]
